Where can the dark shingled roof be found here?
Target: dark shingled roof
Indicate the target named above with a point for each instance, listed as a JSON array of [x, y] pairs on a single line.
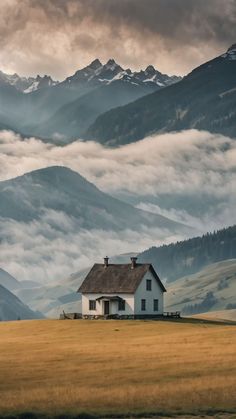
[[116, 278]]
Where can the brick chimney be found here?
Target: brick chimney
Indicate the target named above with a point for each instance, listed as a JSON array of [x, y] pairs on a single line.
[[106, 259], [133, 262]]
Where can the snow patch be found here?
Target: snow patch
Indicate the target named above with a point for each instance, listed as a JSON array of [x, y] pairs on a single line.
[[32, 87]]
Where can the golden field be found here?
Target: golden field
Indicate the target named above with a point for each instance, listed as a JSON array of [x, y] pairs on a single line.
[[117, 367]]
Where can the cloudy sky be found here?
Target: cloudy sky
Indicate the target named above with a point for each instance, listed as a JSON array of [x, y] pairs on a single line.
[[59, 36]]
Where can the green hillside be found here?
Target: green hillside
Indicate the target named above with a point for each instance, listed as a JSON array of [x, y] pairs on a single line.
[[211, 289], [190, 256]]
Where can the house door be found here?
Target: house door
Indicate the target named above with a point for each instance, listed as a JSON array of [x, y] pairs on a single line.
[[106, 307]]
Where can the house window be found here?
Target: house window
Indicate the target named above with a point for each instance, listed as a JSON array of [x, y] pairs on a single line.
[[155, 305], [121, 305], [92, 304], [143, 305], [149, 285]]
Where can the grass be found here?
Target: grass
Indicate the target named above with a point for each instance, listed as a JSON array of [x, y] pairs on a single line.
[[105, 367]]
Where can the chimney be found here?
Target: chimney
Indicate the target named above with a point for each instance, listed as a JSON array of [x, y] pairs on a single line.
[[106, 259], [133, 262]]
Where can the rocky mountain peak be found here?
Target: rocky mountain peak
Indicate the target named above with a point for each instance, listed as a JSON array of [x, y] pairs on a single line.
[[111, 62], [230, 53], [232, 48], [95, 64], [150, 69]]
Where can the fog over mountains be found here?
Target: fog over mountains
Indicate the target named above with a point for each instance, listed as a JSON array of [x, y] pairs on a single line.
[[111, 161], [63, 111], [112, 105], [53, 221]]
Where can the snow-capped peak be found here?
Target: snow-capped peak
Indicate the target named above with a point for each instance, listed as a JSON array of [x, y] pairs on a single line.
[[232, 48], [230, 53], [27, 84], [39, 83]]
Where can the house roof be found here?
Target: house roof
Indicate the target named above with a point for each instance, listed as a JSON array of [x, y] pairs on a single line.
[[116, 278]]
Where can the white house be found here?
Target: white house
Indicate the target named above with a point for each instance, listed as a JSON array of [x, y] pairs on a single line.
[[131, 290]]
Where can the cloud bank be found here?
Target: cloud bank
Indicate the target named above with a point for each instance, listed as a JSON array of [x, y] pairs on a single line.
[[52, 248], [189, 162], [162, 174], [60, 36]]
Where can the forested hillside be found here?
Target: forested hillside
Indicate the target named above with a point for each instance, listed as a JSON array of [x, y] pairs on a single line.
[[187, 257]]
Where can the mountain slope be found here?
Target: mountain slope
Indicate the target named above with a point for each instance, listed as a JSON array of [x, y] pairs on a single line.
[[8, 281], [28, 102], [205, 100], [11, 308], [74, 104], [187, 257], [59, 189], [211, 289], [51, 299], [72, 119], [27, 84]]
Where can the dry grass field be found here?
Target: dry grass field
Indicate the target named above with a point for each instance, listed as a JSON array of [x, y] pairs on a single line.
[[116, 367]]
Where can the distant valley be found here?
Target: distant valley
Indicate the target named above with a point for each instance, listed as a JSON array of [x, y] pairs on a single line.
[[61, 112], [210, 289]]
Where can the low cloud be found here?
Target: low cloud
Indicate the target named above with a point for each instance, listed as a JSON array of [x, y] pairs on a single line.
[[161, 174], [189, 162], [52, 248]]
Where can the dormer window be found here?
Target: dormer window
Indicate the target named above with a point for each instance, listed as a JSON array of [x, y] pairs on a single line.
[[149, 285]]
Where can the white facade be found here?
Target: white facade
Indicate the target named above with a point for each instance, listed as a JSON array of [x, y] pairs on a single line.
[[156, 293], [133, 302]]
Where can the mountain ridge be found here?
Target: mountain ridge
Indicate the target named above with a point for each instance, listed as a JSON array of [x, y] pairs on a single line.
[[187, 257], [12, 308], [60, 189], [30, 105], [205, 99]]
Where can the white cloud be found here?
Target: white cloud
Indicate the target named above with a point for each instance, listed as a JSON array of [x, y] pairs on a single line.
[[191, 164], [186, 162], [42, 252]]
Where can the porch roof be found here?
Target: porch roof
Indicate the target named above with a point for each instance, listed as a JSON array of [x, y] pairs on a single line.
[[110, 298]]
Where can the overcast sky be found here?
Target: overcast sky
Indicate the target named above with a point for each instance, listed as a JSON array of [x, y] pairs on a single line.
[[59, 36]]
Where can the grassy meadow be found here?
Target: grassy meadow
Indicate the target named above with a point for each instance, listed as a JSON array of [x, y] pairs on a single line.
[[103, 367]]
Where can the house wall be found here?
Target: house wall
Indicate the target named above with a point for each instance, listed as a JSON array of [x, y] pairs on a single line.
[[129, 305], [149, 296]]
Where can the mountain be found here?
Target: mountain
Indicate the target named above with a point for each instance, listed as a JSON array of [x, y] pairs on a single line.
[[97, 73], [211, 289], [205, 99], [27, 84], [74, 104], [73, 119], [8, 281], [60, 190], [190, 256], [51, 299], [40, 83], [11, 308], [30, 105]]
